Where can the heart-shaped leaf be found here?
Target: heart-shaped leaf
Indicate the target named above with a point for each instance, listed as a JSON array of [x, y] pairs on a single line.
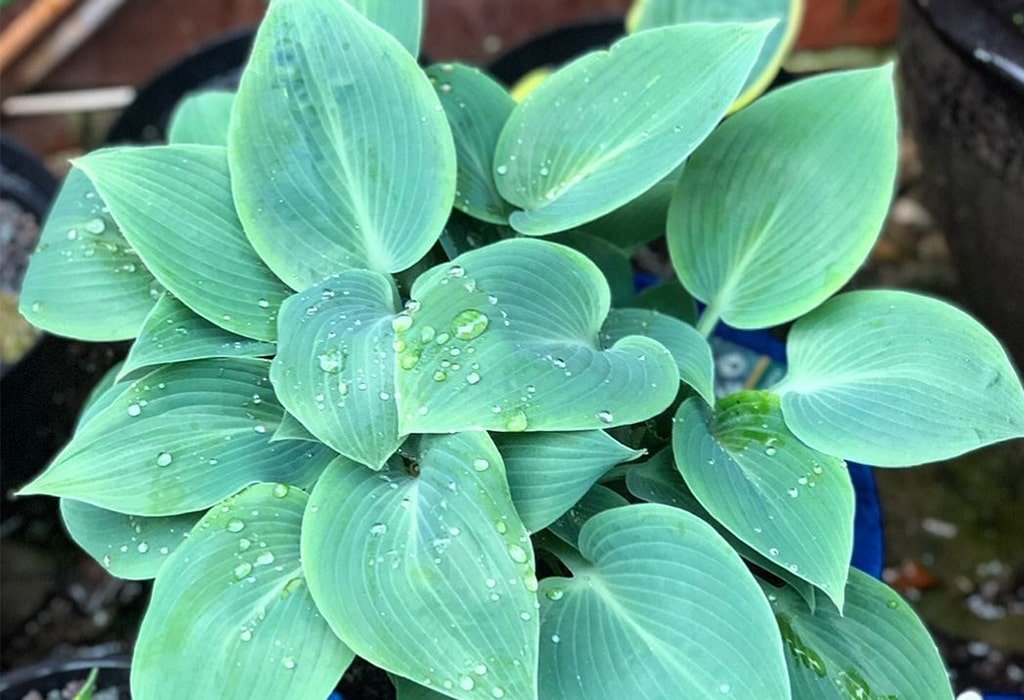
[[202, 118], [477, 108], [877, 648], [232, 599], [336, 126], [659, 481], [173, 333], [792, 504], [335, 367], [84, 280], [174, 205], [549, 472], [607, 127], [426, 570], [402, 19], [596, 500], [762, 228], [181, 439], [896, 379], [661, 608], [688, 347], [650, 14], [128, 546], [506, 338]]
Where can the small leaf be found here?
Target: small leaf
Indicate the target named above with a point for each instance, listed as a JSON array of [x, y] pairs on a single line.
[[506, 339], [84, 280], [877, 648], [607, 127], [640, 221], [335, 366], [659, 481], [181, 439], [650, 14], [428, 574], [402, 19], [762, 227], [232, 600], [663, 609], [549, 472], [896, 379], [669, 298], [202, 118], [340, 152], [292, 429], [173, 333], [596, 500], [463, 233], [174, 205], [790, 503], [613, 263], [688, 347], [477, 108], [128, 546]]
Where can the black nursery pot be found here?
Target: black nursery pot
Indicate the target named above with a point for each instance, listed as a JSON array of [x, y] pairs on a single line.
[[962, 63], [112, 679]]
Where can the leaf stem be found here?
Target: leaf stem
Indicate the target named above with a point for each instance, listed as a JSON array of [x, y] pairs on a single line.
[[708, 320]]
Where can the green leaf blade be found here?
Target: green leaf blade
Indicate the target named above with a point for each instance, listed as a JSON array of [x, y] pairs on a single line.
[[202, 118], [402, 19]]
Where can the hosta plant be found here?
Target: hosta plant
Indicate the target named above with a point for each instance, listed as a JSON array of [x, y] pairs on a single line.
[[393, 395]]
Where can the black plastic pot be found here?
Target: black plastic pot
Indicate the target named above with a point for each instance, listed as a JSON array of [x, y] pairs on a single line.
[[962, 63], [55, 675]]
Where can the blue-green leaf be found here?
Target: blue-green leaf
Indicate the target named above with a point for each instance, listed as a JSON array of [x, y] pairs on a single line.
[[402, 19], [174, 205], [607, 127], [668, 298], [791, 504], [340, 152], [613, 263], [598, 499], [896, 379], [202, 118], [84, 280], [426, 571], [780, 206], [231, 616]]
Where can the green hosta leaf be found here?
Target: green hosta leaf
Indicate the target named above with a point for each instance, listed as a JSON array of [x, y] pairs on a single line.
[[477, 108], [84, 280], [173, 333], [335, 367], [790, 503], [597, 499], [613, 263], [762, 227], [340, 152], [896, 379], [662, 608], [402, 19], [105, 391], [175, 208], [606, 128], [128, 546], [659, 481], [688, 347], [428, 576], [231, 601], [670, 299], [463, 233], [549, 472], [405, 689], [650, 14], [640, 221], [292, 429], [506, 338], [181, 439], [878, 648], [202, 118]]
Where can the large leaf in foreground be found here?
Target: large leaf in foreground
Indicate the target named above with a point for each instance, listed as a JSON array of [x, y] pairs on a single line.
[[180, 439], [429, 576], [896, 379], [202, 118], [762, 226], [128, 546], [340, 152], [173, 333], [506, 338], [661, 608], [549, 472], [232, 600], [607, 127], [84, 280], [790, 503], [878, 648], [174, 205]]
